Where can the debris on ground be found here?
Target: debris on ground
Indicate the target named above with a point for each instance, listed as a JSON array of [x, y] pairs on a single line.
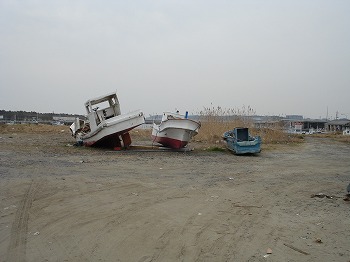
[[296, 249], [318, 240], [321, 195]]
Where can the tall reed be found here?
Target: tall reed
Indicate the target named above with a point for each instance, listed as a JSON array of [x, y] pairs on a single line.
[[217, 120]]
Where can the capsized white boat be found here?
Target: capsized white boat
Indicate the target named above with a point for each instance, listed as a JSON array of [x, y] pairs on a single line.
[[105, 125], [175, 130]]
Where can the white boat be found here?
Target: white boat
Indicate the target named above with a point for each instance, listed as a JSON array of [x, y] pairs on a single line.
[[105, 125], [175, 130]]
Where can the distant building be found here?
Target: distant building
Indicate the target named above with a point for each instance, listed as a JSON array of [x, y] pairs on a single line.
[[338, 125], [304, 125], [294, 117], [63, 119]]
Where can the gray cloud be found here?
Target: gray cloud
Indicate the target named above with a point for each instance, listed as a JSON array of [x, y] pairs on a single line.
[[279, 57]]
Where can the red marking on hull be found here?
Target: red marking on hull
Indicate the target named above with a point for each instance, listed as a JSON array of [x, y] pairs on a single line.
[[111, 141], [170, 142]]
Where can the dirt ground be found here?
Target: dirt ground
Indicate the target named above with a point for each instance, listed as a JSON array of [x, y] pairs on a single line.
[[65, 203]]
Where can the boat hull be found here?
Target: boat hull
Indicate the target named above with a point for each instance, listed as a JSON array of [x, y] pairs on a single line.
[[246, 147], [239, 142], [175, 133], [113, 132]]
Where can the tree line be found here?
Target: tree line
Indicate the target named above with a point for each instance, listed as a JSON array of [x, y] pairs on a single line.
[[25, 116]]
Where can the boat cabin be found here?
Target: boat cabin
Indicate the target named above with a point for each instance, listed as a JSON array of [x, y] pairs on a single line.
[[242, 134], [102, 108], [170, 116]]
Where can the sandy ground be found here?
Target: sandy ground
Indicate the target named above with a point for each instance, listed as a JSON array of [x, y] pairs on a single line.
[[66, 203]]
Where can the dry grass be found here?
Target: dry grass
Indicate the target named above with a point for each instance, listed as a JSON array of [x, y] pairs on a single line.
[[211, 132], [276, 135], [344, 139], [216, 120], [336, 136], [214, 123], [141, 134], [32, 128]]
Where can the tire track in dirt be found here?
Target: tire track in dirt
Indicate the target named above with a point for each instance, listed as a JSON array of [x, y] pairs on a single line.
[[88, 218], [161, 244], [17, 248], [222, 233]]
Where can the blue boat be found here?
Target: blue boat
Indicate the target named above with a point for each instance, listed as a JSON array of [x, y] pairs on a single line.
[[240, 142]]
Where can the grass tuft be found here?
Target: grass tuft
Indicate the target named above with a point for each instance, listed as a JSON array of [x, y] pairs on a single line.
[[217, 120], [215, 149]]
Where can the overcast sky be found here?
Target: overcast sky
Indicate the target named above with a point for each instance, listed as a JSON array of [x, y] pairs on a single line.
[[279, 57]]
